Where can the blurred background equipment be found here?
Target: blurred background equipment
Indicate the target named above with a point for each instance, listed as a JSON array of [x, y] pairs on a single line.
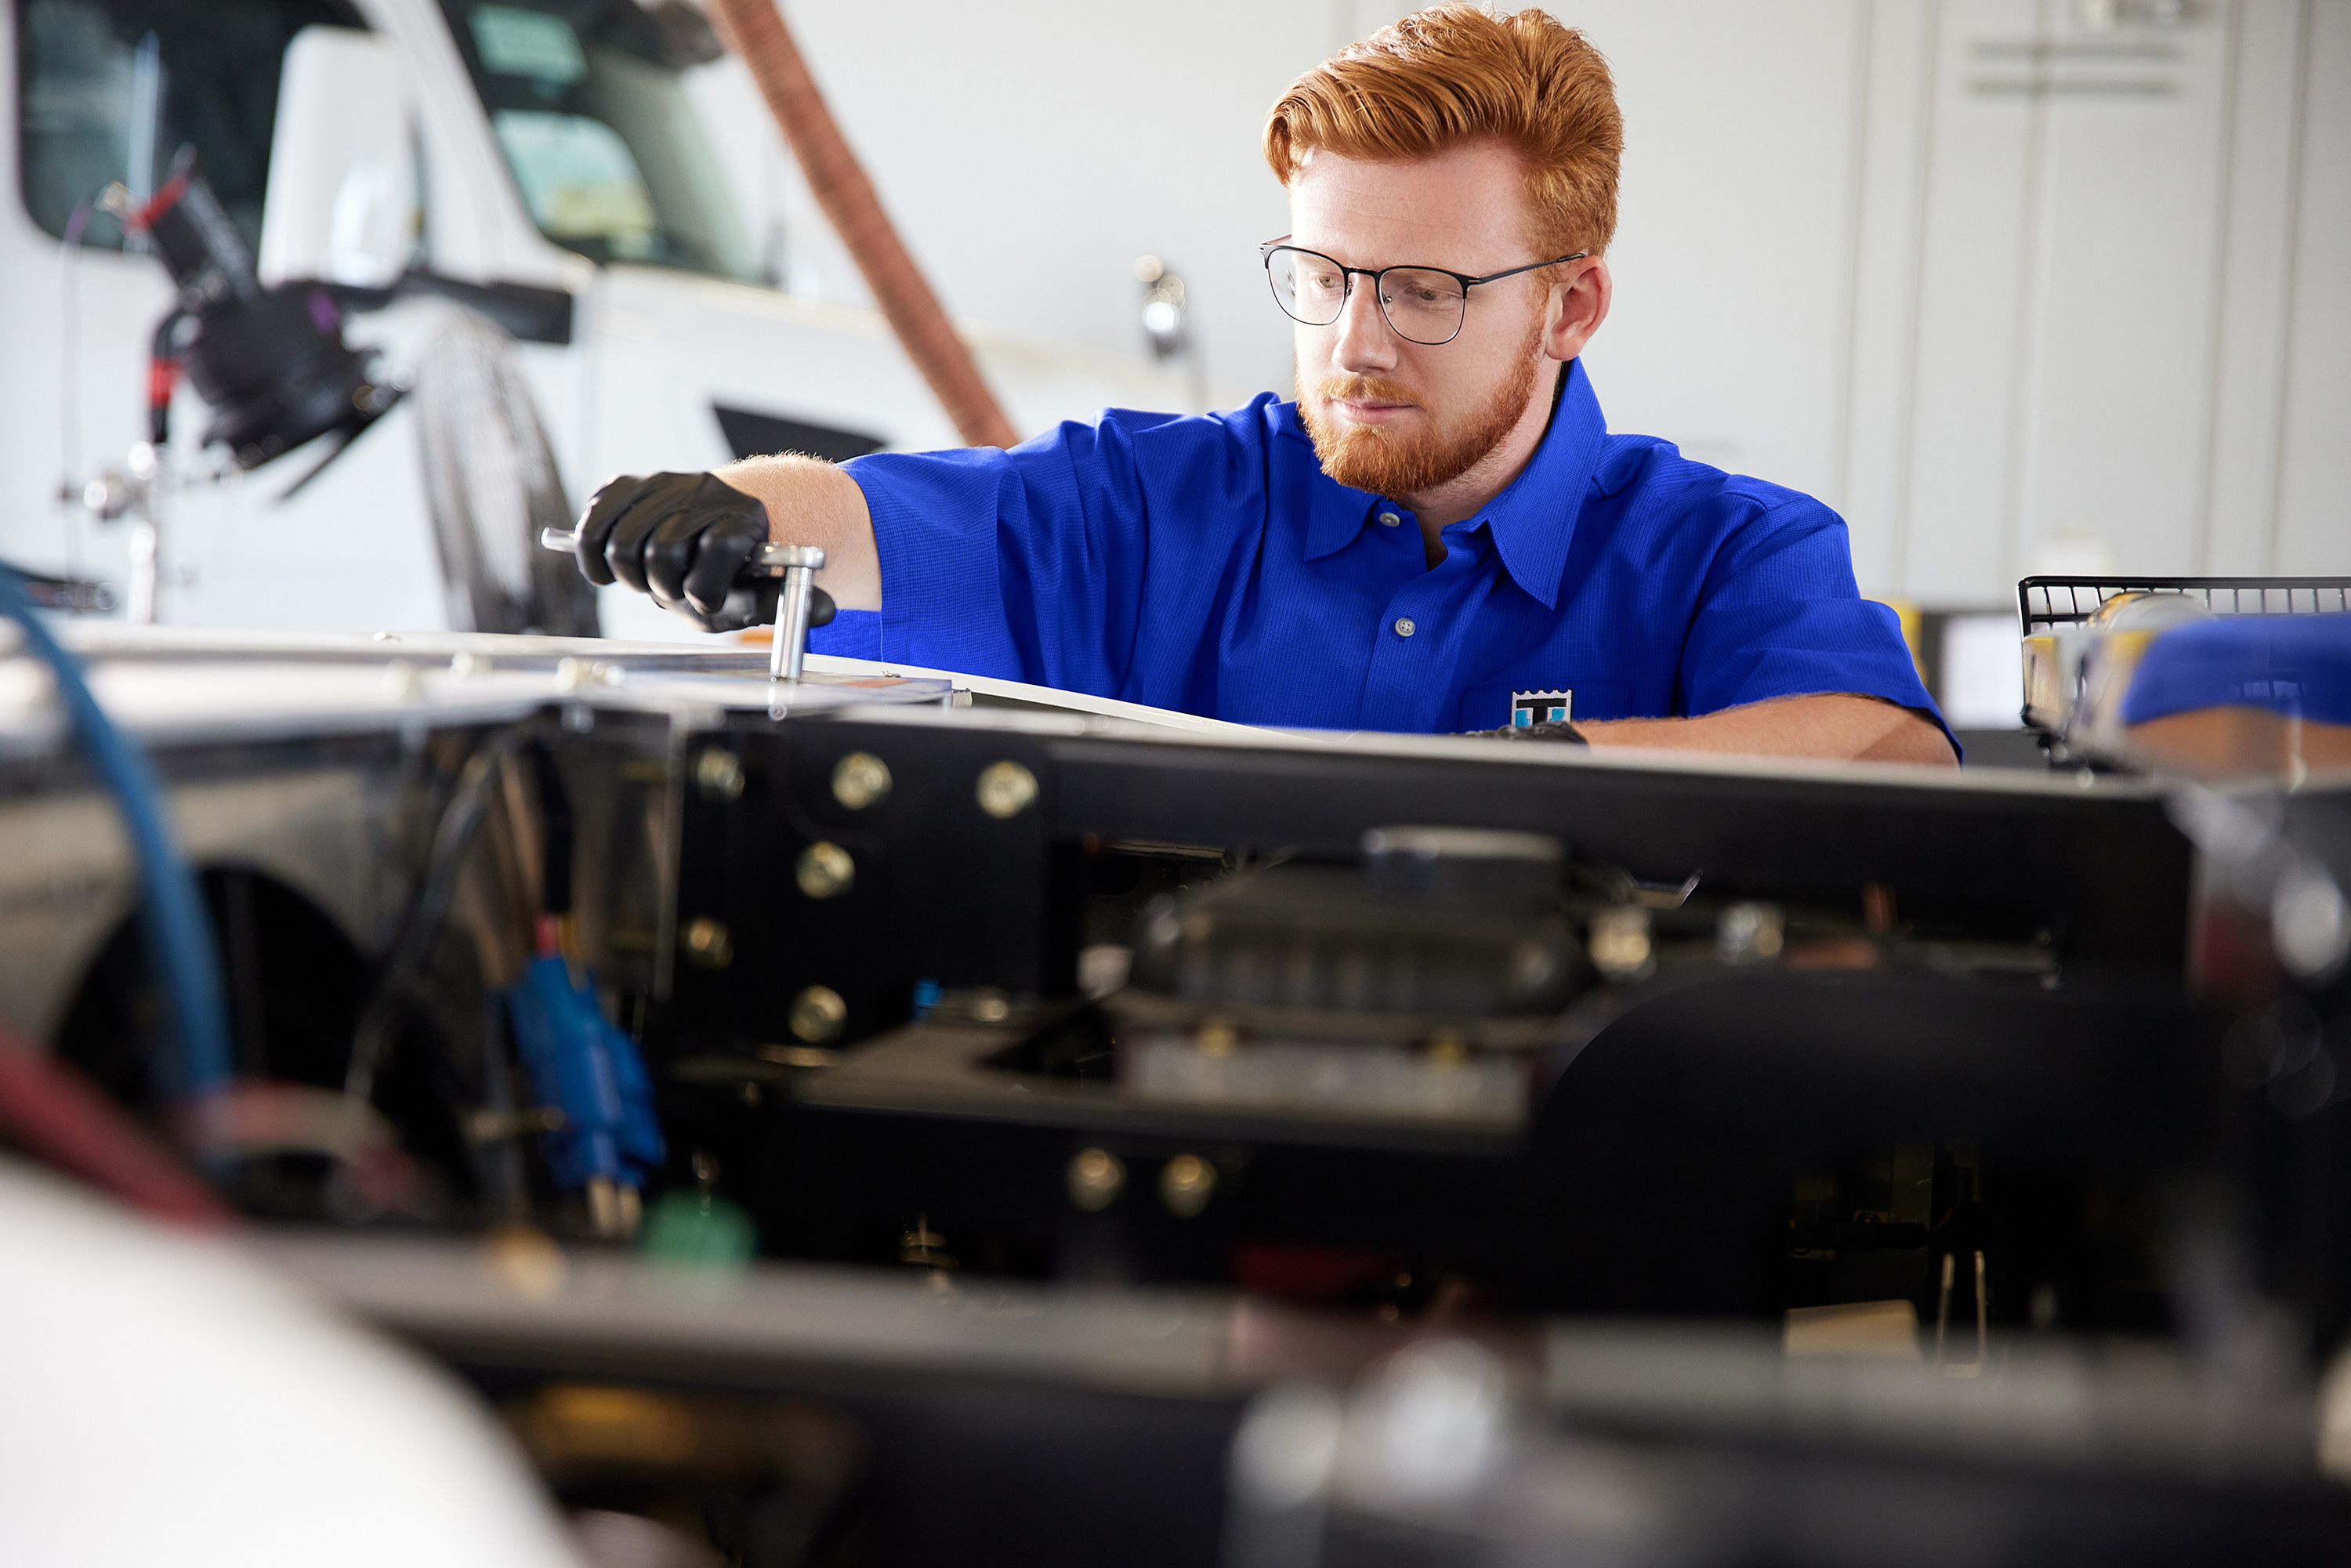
[[1168, 326], [545, 166], [2214, 677]]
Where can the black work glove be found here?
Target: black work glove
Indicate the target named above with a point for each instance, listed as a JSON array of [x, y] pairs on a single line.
[[685, 538]]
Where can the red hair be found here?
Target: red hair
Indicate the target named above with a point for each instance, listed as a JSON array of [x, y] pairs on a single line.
[[1454, 74]]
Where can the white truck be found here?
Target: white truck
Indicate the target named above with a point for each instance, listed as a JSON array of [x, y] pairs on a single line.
[[548, 163]]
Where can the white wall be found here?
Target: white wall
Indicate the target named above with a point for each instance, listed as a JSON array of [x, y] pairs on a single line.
[[1894, 253]]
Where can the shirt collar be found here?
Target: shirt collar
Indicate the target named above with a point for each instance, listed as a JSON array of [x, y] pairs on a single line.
[[1532, 520]]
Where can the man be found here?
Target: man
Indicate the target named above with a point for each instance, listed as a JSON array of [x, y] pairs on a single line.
[[1440, 534]]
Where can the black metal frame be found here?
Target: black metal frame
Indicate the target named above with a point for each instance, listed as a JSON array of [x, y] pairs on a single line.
[[2274, 596]]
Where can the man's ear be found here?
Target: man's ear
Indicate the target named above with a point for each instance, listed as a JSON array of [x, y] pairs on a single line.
[[1576, 310]]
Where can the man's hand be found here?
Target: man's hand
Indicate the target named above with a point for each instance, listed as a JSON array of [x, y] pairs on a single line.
[[684, 538], [1831, 725]]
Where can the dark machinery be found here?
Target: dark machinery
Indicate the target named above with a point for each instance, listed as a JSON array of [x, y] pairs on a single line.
[[1423, 1037]]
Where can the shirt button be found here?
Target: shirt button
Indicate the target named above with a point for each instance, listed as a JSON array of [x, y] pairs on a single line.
[[1389, 519], [1403, 626]]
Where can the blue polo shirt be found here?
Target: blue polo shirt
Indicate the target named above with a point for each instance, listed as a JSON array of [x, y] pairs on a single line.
[[1207, 564]]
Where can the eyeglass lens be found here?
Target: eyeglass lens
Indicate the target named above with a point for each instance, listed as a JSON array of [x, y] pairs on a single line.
[[1424, 307]]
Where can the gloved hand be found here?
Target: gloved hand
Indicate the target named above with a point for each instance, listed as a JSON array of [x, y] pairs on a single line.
[[685, 538]]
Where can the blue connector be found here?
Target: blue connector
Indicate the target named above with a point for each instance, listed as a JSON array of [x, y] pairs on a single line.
[[583, 1067]]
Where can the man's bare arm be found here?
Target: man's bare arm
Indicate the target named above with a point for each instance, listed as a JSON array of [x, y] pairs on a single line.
[[1835, 726], [810, 502]]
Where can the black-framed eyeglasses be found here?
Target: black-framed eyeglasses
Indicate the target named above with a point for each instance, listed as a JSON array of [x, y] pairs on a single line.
[[1423, 305]]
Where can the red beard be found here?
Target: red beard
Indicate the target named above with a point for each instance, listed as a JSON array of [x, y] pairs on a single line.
[[1366, 457]]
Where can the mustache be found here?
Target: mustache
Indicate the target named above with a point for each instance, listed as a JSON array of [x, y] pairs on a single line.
[[1365, 388]]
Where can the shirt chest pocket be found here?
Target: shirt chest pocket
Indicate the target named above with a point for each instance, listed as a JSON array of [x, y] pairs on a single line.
[[1533, 700]]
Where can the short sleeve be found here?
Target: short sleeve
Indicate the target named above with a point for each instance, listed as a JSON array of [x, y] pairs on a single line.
[[1779, 615], [1025, 565]]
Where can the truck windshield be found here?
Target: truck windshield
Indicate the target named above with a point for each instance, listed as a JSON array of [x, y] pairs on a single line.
[[589, 107], [109, 89]]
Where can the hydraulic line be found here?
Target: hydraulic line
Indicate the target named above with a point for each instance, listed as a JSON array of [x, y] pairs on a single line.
[[179, 934], [57, 1116], [755, 30]]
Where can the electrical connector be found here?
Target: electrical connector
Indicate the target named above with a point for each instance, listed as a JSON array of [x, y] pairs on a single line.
[[587, 1069]]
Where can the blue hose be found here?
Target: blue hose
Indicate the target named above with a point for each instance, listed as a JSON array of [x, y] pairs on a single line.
[[180, 936]]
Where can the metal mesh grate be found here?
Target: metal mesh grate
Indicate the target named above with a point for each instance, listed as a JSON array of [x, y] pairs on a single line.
[[2047, 601]]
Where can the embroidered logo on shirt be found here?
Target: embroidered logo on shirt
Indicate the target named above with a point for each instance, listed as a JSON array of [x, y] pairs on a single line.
[[1543, 707]]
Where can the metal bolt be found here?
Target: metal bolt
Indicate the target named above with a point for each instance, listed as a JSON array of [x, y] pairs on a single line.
[[719, 774], [1447, 1048], [1621, 948], [825, 869], [818, 1014], [923, 1245], [1749, 933], [861, 780], [708, 944], [1005, 790], [1217, 1038], [1095, 1178], [1185, 1184], [401, 683], [468, 666]]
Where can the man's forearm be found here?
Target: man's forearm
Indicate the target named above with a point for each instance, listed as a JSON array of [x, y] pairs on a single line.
[[1834, 725], [813, 503]]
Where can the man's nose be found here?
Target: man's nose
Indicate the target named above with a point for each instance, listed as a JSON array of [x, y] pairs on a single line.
[[1366, 344]]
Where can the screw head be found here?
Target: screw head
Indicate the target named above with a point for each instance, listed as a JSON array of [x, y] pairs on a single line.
[[1095, 1178], [1185, 1184], [818, 1014], [708, 944], [861, 780], [402, 683], [1005, 790], [718, 773], [824, 869], [1620, 944]]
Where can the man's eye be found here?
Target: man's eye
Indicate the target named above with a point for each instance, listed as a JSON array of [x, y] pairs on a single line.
[[1322, 282]]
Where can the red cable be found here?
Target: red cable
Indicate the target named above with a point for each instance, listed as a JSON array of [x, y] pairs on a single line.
[[56, 1115]]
